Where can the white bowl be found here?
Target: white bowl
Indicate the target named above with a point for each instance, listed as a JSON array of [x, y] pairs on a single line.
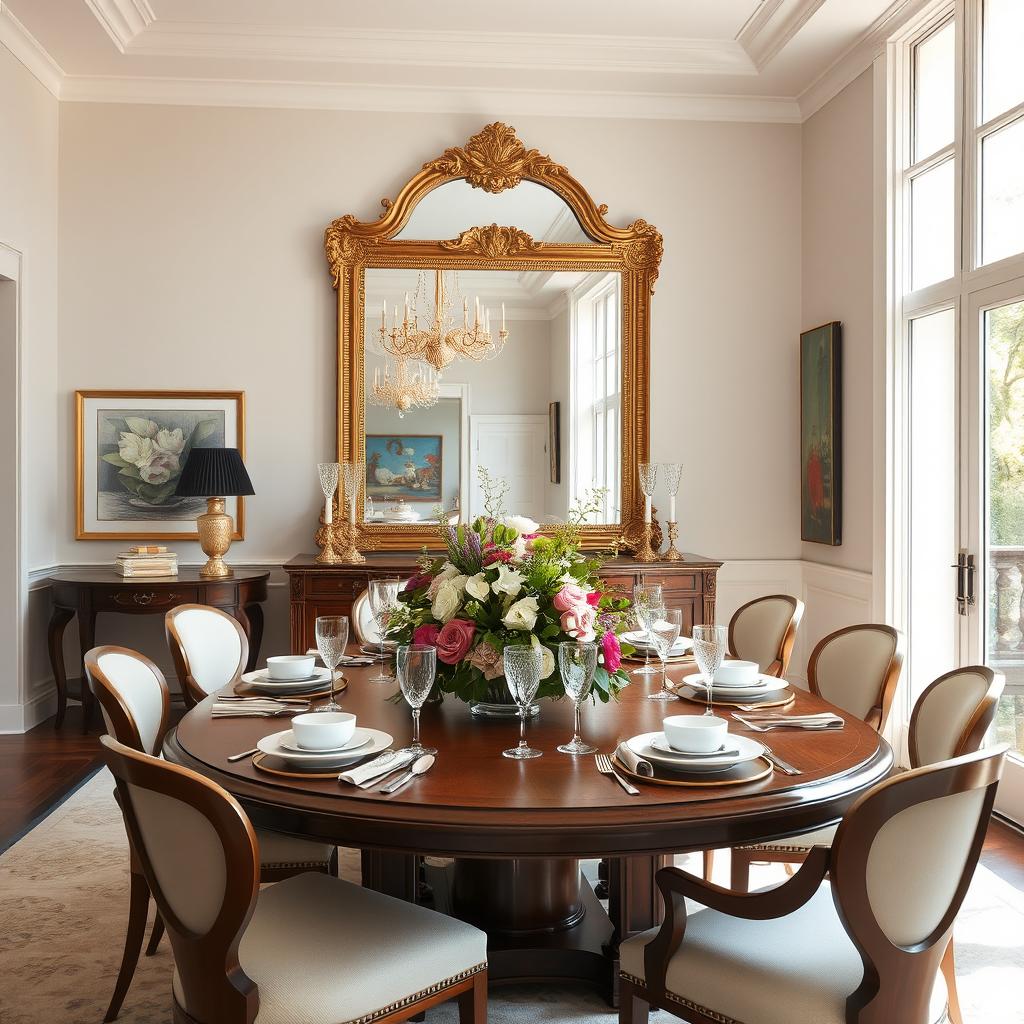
[[737, 673], [695, 734], [291, 666], [323, 730]]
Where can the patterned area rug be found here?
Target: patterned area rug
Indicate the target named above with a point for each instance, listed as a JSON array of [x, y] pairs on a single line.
[[63, 906]]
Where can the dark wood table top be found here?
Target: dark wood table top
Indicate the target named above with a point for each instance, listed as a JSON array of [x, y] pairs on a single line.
[[185, 574], [476, 802]]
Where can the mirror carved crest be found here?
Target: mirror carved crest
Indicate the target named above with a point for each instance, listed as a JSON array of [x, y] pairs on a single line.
[[495, 160]]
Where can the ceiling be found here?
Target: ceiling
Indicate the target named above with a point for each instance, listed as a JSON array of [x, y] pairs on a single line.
[[762, 60]]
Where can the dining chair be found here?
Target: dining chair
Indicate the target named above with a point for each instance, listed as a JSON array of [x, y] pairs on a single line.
[[863, 949], [209, 649], [310, 948], [858, 669], [135, 702], [764, 631], [364, 625]]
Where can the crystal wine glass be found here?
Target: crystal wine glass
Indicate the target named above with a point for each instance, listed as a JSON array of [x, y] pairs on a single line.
[[523, 665], [576, 664], [416, 665], [645, 597], [331, 641], [383, 601], [709, 645], [665, 632]]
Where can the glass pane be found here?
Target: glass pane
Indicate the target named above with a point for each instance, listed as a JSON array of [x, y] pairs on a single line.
[[931, 225], [1004, 365], [1002, 81], [933, 494], [1002, 193], [934, 84]]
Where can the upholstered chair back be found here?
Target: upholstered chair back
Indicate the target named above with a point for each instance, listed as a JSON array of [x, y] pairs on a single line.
[[132, 694], [954, 713], [764, 630], [858, 668], [208, 646], [363, 623], [199, 855], [901, 863]]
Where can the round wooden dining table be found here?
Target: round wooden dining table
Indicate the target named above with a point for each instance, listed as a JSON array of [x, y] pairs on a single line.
[[503, 838]]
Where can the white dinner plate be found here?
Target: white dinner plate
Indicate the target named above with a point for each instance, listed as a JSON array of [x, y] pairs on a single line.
[[358, 739], [330, 759], [767, 684], [638, 639], [259, 681], [746, 749]]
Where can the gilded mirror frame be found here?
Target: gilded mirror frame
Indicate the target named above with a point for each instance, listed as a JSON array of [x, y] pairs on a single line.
[[494, 160]]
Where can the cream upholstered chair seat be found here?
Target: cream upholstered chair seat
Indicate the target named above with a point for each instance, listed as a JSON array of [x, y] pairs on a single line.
[[280, 851], [804, 841], [797, 969], [352, 954]]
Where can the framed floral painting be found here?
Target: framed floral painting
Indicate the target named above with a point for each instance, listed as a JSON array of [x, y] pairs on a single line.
[[131, 448]]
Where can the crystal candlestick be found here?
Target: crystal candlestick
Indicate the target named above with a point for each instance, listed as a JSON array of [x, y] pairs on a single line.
[[648, 473], [328, 472], [673, 476], [353, 474]]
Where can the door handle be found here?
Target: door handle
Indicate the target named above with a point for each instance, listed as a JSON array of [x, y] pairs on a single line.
[[970, 579], [961, 582]]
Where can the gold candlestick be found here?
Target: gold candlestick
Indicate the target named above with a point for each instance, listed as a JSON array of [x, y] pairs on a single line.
[[327, 543], [644, 551], [673, 554], [350, 553]]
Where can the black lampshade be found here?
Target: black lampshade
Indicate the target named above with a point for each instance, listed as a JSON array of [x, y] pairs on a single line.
[[214, 472]]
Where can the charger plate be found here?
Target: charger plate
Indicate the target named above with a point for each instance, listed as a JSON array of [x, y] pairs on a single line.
[[260, 761], [248, 690], [748, 771], [693, 698]]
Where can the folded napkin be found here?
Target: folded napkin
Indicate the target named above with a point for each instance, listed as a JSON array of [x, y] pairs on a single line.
[[635, 764], [825, 720], [253, 708], [365, 774]]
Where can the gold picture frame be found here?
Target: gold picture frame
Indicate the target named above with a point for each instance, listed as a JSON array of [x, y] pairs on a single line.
[[231, 404], [494, 159]]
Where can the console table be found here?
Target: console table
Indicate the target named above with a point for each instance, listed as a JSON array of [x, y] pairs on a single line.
[[87, 592], [330, 589]]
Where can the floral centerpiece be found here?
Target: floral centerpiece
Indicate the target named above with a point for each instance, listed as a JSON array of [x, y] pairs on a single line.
[[501, 583]]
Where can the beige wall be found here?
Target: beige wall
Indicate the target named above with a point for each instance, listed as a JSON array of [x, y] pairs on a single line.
[[28, 225], [191, 257], [837, 284]]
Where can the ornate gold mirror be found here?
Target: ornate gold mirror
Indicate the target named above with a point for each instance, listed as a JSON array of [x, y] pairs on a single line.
[[493, 318]]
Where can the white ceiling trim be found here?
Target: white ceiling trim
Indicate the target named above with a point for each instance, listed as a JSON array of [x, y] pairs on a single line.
[[26, 48], [423, 48], [850, 64], [773, 25], [411, 99], [122, 20]]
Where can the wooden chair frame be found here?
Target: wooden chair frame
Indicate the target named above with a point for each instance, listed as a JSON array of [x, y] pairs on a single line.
[[897, 981], [219, 991], [780, 665], [190, 689]]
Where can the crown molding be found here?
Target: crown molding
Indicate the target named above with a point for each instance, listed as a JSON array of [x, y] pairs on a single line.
[[772, 26], [26, 48], [122, 20], [412, 99], [857, 58]]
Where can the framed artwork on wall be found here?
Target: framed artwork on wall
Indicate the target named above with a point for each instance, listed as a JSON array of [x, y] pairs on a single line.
[[130, 449], [821, 443], [405, 466], [555, 440]]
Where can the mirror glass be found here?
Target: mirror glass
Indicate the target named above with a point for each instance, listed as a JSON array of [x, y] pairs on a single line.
[[456, 206], [520, 372]]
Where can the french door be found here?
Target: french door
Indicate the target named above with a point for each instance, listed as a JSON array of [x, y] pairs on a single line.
[[994, 582]]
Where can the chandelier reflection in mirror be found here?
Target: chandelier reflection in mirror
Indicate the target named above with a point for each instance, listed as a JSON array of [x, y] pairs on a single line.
[[441, 342], [405, 385]]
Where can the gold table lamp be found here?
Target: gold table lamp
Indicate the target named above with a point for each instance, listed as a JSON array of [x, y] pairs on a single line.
[[214, 473]]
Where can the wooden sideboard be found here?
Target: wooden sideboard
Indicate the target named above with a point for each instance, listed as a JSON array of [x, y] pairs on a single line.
[[330, 589]]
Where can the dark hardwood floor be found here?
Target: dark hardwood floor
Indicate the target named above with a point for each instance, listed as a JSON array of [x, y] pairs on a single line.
[[41, 767]]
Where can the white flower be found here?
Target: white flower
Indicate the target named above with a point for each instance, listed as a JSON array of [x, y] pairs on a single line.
[[447, 572], [447, 600], [160, 469], [522, 615], [509, 581], [170, 441], [144, 428], [519, 548], [136, 450], [521, 524], [547, 663], [476, 586]]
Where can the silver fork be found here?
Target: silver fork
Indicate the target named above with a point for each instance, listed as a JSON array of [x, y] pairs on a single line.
[[604, 766], [783, 766], [257, 714]]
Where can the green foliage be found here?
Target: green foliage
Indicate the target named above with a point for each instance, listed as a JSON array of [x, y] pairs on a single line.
[[1005, 367], [495, 490]]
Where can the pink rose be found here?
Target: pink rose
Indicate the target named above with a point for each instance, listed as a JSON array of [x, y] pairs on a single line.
[[612, 651], [454, 640], [487, 660], [426, 634], [579, 623], [569, 598], [414, 582], [594, 598]]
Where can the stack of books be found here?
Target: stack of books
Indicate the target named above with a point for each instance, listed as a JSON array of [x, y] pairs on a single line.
[[147, 560]]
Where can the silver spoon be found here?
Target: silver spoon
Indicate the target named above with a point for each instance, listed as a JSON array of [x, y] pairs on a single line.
[[243, 755], [420, 766]]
